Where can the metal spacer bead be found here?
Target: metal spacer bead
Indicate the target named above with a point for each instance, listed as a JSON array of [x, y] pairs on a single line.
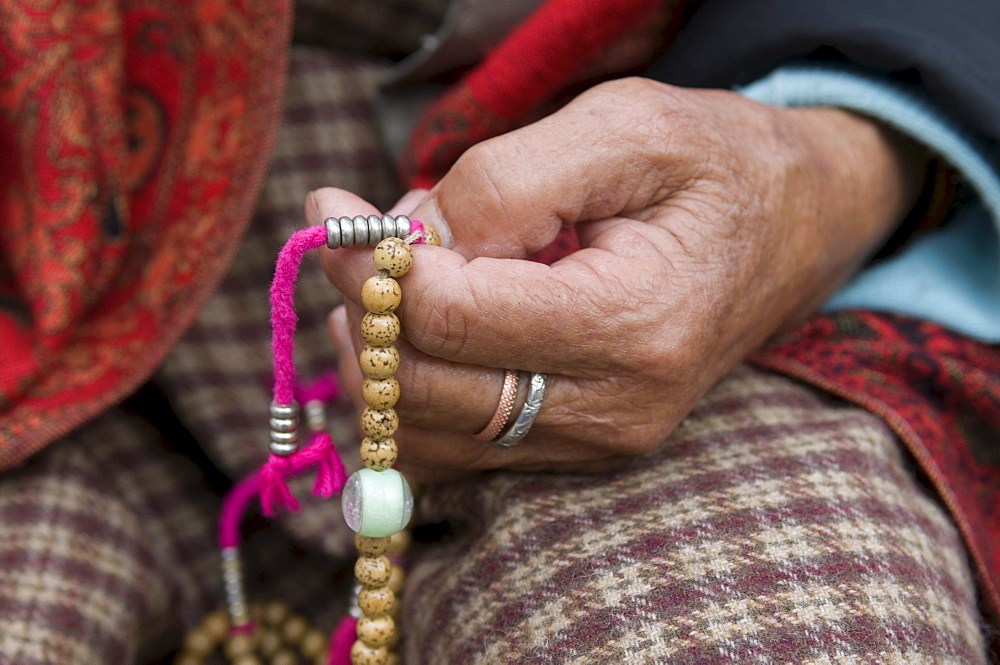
[[290, 410], [316, 415], [388, 227], [374, 230], [284, 424], [360, 231], [332, 225], [283, 449], [346, 232], [402, 226]]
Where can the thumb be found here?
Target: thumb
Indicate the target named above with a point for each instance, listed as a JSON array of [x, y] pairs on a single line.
[[597, 157]]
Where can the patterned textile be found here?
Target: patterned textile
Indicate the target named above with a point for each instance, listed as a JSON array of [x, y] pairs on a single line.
[[132, 144], [774, 526], [109, 550]]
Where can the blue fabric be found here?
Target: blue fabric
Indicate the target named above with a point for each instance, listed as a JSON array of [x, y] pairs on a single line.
[[950, 275]]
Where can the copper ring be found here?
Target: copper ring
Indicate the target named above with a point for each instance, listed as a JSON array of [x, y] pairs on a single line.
[[504, 408]]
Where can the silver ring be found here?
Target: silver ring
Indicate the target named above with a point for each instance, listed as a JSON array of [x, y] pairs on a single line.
[[526, 418]]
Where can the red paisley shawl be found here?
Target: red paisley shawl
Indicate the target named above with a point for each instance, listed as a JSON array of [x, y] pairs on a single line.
[[133, 139], [132, 144]]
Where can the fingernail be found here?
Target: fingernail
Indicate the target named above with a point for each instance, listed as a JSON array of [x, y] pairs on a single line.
[[311, 200], [430, 215]]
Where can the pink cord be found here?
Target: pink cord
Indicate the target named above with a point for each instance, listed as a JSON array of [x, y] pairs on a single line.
[[283, 317], [342, 640], [320, 452], [233, 505]]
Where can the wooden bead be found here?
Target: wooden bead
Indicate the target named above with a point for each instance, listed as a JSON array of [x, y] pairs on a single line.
[[199, 641], [376, 602], [381, 295], [379, 455], [294, 629], [370, 546], [380, 329], [362, 654], [373, 571], [399, 542], [270, 643], [394, 256], [216, 625], [376, 631], [379, 424], [431, 237], [285, 657], [396, 579], [275, 612], [380, 393], [314, 644], [239, 645], [246, 659], [379, 362], [393, 659]]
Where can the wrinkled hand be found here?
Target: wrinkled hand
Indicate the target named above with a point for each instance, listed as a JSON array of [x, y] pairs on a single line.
[[707, 223]]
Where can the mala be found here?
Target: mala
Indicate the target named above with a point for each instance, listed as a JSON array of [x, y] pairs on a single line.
[[377, 500]]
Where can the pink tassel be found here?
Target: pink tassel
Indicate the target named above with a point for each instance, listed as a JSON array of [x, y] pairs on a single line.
[[274, 492], [325, 389], [330, 472], [342, 640]]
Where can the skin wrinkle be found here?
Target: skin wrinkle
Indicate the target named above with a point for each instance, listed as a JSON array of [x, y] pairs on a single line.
[[763, 212]]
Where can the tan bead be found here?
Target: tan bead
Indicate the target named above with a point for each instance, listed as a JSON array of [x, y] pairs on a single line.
[[393, 659], [275, 612], [380, 393], [379, 455], [270, 643], [370, 546], [188, 658], [376, 602], [373, 571], [431, 237], [396, 579], [239, 645], [285, 657], [246, 659], [393, 255], [216, 625], [399, 542], [314, 644], [362, 654], [379, 362], [381, 295], [376, 631], [379, 424], [199, 641], [257, 612], [380, 329], [294, 629]]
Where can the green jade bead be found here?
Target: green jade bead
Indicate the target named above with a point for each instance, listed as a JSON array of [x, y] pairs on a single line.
[[377, 503]]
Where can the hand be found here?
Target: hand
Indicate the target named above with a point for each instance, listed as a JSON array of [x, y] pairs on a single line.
[[707, 221]]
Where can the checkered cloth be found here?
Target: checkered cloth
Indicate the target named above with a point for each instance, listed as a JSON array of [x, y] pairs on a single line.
[[774, 526]]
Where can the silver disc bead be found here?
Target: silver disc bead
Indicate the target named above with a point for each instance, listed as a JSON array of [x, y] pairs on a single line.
[[346, 232], [332, 225], [360, 231], [290, 410], [402, 226], [388, 227]]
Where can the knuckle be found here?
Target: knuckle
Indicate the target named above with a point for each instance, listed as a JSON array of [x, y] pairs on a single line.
[[437, 323]]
